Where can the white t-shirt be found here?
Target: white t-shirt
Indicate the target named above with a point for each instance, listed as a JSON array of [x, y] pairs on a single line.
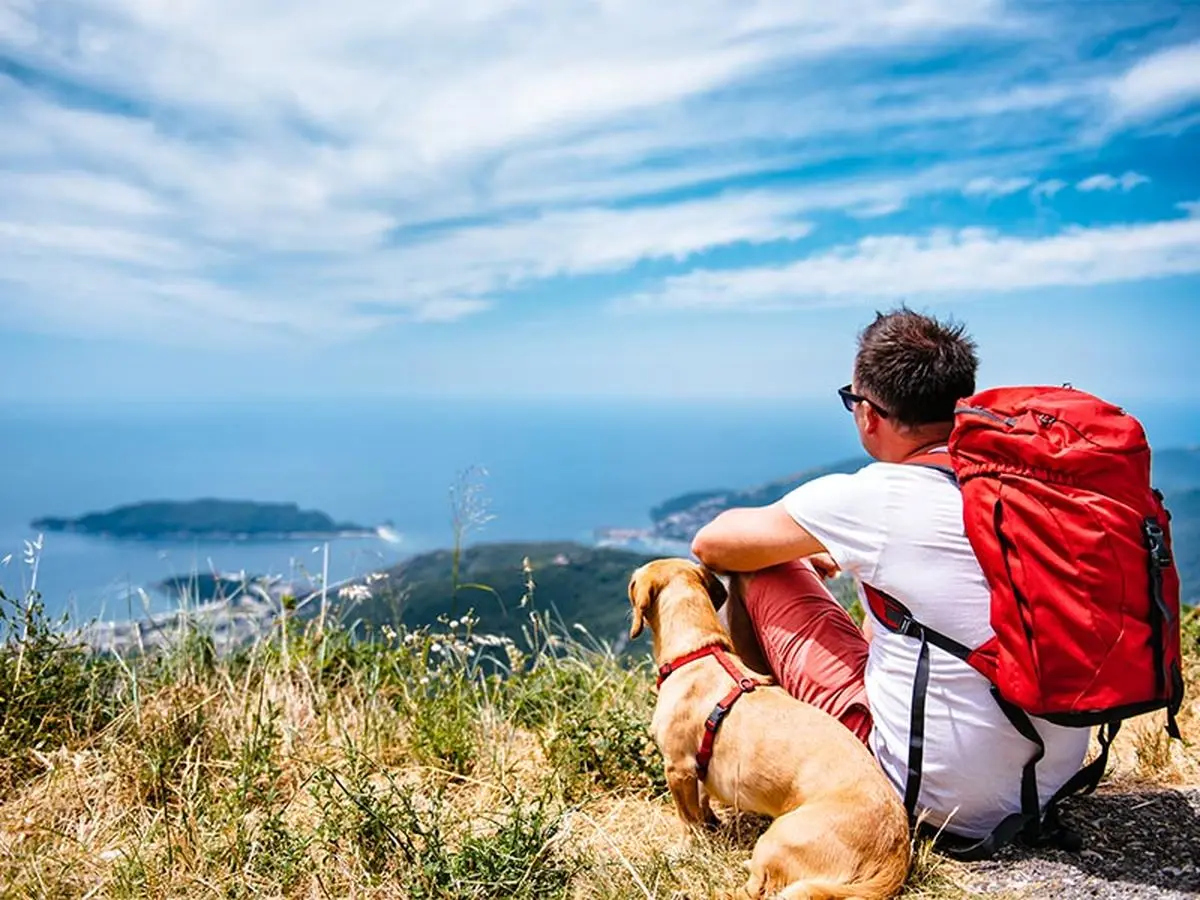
[[900, 529]]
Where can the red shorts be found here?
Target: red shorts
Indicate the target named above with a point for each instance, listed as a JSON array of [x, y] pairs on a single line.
[[815, 650]]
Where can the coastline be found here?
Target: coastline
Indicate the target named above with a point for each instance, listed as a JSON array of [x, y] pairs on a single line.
[[381, 532]]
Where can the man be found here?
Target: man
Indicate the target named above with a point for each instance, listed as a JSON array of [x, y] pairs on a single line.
[[898, 528]]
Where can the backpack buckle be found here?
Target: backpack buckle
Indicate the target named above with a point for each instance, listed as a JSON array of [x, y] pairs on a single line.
[[908, 626], [1156, 543]]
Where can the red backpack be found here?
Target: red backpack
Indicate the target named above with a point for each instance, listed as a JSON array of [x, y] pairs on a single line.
[[1076, 548]]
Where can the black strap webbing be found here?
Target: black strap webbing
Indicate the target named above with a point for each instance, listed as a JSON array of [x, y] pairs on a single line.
[[916, 728], [1031, 824], [1031, 806], [1088, 778]]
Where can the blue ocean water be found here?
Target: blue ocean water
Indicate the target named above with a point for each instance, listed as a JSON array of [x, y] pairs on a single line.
[[555, 470]]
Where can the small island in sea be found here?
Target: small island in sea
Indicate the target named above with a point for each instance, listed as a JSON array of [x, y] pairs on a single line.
[[206, 519]]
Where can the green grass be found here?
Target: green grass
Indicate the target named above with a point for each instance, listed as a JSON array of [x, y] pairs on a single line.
[[433, 762]]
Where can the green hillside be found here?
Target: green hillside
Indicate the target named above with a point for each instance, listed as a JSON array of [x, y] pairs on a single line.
[[575, 583]]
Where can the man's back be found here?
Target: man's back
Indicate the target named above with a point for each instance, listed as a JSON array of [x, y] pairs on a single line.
[[900, 529]]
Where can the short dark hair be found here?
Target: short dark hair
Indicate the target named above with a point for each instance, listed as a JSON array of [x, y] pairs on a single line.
[[914, 366]]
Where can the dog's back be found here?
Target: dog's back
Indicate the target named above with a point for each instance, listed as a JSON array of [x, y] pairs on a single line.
[[840, 829]]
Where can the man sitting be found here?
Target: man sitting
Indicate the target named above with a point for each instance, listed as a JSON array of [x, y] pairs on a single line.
[[900, 529]]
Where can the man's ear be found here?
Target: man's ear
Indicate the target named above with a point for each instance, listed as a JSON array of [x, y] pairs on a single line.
[[714, 586], [871, 418]]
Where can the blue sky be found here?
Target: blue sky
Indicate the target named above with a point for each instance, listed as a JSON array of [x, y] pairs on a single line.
[[220, 198]]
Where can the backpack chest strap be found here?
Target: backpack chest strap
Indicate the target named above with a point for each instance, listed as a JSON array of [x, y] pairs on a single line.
[[897, 618]]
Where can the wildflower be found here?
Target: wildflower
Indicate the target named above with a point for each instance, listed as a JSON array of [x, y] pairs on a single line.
[[376, 576], [435, 647], [453, 624], [355, 592], [389, 632], [489, 640], [424, 680], [6, 560]]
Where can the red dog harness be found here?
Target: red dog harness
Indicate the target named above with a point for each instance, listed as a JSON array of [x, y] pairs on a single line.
[[745, 684]]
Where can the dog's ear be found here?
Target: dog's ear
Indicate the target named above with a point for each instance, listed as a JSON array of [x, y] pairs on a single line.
[[714, 586], [643, 591]]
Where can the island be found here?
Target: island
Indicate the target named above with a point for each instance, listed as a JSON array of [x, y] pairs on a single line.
[[206, 519], [674, 522]]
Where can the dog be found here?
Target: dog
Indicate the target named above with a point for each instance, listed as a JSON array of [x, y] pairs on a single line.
[[839, 827]]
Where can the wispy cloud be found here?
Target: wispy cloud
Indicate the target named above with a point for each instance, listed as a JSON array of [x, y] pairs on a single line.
[[989, 186], [191, 170], [1048, 188], [1163, 83], [1104, 182], [967, 262]]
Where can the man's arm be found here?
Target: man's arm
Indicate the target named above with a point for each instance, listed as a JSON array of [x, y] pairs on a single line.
[[749, 539]]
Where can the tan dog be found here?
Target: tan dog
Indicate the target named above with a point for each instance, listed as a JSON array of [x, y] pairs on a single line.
[[840, 830]]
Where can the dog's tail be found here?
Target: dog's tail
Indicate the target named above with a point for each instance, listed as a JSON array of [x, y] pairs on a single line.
[[882, 884]]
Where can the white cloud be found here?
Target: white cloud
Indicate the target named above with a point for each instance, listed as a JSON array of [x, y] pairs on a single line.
[[415, 155], [990, 186], [1047, 188], [1163, 83], [967, 262], [200, 165], [1105, 182], [1191, 207], [877, 210], [448, 310]]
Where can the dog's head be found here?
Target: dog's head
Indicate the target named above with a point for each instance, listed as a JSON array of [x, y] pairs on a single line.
[[649, 581]]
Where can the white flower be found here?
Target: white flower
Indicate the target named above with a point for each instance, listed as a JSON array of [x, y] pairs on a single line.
[[424, 680], [6, 560], [356, 592], [435, 647], [453, 623]]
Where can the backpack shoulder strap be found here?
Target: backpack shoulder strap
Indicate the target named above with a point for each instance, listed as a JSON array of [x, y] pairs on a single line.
[[1029, 822], [937, 458]]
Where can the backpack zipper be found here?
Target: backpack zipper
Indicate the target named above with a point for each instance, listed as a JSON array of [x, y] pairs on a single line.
[[987, 414]]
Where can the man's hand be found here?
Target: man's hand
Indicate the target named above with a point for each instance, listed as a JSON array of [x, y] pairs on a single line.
[[825, 565]]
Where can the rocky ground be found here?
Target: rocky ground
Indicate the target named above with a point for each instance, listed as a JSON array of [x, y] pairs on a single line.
[[1138, 844]]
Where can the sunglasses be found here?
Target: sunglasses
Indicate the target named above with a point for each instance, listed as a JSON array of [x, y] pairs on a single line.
[[851, 399]]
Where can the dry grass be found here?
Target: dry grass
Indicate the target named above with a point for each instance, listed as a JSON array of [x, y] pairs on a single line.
[[1142, 753], [398, 767]]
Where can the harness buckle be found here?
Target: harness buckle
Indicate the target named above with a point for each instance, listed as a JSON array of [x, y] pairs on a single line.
[[908, 625], [747, 685], [713, 722]]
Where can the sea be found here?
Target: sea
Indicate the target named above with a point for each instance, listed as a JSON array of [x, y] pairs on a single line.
[[513, 470]]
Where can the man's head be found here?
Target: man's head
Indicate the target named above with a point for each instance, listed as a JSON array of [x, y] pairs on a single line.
[[909, 372]]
